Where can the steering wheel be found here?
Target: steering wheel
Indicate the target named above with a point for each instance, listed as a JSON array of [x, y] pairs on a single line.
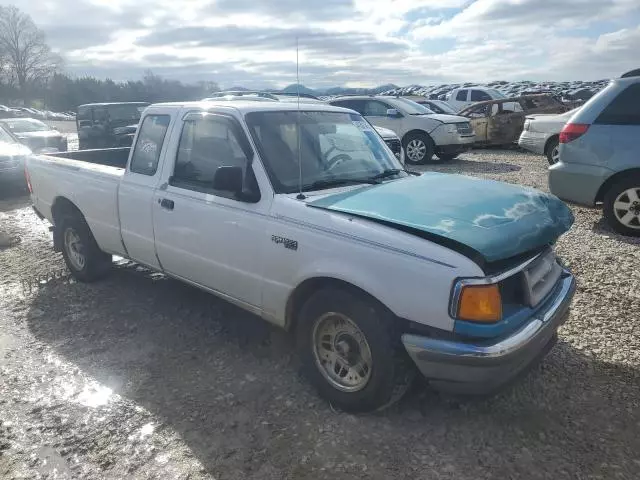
[[338, 160]]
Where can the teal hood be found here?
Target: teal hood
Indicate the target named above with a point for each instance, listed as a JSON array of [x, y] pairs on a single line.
[[491, 219]]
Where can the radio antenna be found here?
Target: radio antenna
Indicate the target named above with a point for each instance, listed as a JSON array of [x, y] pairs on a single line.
[[301, 195]]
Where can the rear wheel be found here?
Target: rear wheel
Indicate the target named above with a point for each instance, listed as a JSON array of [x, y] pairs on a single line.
[[622, 206], [350, 352], [81, 253], [418, 149], [553, 151]]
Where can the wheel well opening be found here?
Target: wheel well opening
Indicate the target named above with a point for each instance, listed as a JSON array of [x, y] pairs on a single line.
[[549, 141], [613, 179], [63, 206], [303, 291], [415, 132]]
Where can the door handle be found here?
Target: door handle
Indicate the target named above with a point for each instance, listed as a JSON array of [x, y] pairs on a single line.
[[166, 203]]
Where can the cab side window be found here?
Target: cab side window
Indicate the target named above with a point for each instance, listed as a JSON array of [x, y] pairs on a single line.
[[149, 144], [206, 144], [462, 96], [479, 96]]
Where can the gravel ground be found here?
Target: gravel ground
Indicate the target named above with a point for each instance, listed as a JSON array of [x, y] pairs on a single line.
[[142, 377]]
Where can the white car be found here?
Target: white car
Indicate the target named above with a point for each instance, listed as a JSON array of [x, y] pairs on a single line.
[[541, 134], [305, 218], [423, 133], [461, 98]]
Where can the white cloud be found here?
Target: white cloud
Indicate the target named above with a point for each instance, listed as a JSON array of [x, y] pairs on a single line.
[[356, 42]]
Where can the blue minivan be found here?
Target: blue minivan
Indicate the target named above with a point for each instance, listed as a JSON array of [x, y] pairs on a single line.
[[600, 155]]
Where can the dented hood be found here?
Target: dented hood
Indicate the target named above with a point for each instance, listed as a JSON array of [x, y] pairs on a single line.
[[491, 219]]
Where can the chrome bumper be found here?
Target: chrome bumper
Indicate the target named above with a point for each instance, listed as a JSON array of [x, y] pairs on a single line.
[[484, 366]]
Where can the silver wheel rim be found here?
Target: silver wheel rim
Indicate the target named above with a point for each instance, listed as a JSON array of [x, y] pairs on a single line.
[[74, 247], [416, 150], [626, 208], [555, 154], [341, 351]]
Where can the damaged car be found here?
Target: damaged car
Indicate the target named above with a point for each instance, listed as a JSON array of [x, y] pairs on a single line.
[[500, 122]]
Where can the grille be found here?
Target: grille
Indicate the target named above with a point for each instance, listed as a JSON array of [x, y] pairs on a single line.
[[394, 145], [464, 128], [540, 277]]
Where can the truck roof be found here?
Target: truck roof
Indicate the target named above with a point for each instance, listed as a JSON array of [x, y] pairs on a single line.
[[247, 106], [106, 104]]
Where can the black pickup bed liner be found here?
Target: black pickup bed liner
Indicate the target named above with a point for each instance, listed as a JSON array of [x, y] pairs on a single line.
[[113, 157]]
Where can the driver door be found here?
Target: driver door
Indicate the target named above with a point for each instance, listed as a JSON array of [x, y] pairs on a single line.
[[207, 236]]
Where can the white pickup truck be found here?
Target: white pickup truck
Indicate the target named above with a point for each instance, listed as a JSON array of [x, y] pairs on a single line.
[[306, 218]]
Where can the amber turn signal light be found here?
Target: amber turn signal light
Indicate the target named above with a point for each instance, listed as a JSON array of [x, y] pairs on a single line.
[[480, 303]]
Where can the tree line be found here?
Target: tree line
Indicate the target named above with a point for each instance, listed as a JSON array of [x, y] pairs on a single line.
[[31, 74]]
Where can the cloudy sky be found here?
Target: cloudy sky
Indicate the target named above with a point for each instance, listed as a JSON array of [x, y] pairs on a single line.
[[343, 42]]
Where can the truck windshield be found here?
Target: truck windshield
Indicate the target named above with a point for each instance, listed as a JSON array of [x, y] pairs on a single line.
[[126, 112], [333, 148]]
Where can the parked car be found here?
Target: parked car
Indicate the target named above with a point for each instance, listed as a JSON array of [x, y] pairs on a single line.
[[13, 155], [600, 155], [38, 136], [423, 133], [103, 125], [496, 123], [541, 133], [461, 98], [308, 238], [436, 106]]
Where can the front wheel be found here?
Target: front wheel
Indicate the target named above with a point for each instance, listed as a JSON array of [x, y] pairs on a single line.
[[418, 149], [350, 352], [622, 206]]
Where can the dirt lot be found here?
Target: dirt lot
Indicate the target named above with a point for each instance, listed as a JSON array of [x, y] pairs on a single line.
[[142, 377]]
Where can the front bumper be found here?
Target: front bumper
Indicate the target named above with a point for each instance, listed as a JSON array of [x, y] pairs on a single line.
[[484, 366], [453, 149]]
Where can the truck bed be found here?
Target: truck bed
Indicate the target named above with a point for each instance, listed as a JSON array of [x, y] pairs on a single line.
[[112, 157]]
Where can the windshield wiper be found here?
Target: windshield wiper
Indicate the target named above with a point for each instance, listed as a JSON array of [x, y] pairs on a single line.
[[336, 182], [386, 174]]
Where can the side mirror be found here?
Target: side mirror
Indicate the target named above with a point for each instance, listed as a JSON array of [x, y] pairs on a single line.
[[230, 179], [393, 113]]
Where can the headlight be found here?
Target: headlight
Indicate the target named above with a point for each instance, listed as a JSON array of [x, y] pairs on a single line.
[[451, 128], [478, 303]]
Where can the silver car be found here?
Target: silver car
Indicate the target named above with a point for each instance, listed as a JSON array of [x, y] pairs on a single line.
[[541, 133], [600, 155]]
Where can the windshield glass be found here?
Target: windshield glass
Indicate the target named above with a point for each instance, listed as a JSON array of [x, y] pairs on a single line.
[[126, 112], [495, 93], [5, 137], [26, 125], [334, 147], [413, 108], [445, 107]]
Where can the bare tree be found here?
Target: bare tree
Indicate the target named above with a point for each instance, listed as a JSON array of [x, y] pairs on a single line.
[[28, 57]]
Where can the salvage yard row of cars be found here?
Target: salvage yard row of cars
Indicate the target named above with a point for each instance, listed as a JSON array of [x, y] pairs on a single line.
[[308, 213]]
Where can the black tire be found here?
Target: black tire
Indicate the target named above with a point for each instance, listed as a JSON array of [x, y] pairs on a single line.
[[551, 149], [447, 158], [391, 372], [618, 192], [97, 264], [420, 138]]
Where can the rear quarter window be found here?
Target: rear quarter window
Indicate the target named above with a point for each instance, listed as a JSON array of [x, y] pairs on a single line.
[[148, 146], [624, 109]]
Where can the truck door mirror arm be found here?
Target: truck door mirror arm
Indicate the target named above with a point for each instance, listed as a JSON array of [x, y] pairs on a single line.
[[230, 179]]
